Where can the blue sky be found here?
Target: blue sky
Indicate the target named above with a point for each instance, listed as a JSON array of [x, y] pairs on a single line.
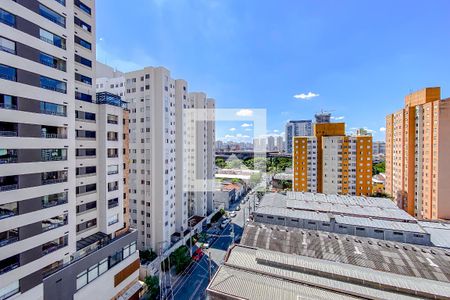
[[360, 57]]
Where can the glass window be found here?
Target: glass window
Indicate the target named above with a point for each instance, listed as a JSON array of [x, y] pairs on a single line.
[[53, 84], [52, 38], [83, 43], [9, 290], [82, 24], [92, 272], [113, 169], [83, 97], [63, 2], [83, 79], [115, 259], [8, 73], [52, 15], [7, 45], [126, 251], [83, 61], [7, 18], [52, 109], [81, 279], [103, 266], [52, 61], [132, 247], [83, 7]]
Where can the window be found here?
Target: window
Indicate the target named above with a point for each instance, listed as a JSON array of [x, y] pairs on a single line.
[[83, 79], [113, 169], [7, 45], [8, 73], [83, 97], [8, 102], [113, 203], [83, 43], [115, 259], [82, 6], [82, 24], [83, 61], [81, 279], [52, 61], [52, 109], [7, 18], [53, 84], [52, 38], [52, 15], [92, 272], [102, 266]]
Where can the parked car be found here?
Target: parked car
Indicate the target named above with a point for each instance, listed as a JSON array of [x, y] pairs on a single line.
[[198, 254], [243, 201], [232, 214], [238, 208], [224, 223]]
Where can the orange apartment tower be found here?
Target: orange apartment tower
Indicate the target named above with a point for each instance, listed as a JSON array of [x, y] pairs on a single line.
[[331, 162], [417, 152]]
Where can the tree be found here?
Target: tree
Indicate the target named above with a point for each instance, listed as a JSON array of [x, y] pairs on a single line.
[[379, 168], [255, 179], [220, 163], [147, 255], [260, 163], [234, 164], [152, 283], [181, 259]]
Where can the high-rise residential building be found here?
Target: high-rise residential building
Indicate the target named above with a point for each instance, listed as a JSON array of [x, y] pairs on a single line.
[[270, 143], [417, 148], [331, 162], [171, 152], [63, 233], [304, 164], [296, 128], [379, 148], [280, 144], [323, 117]]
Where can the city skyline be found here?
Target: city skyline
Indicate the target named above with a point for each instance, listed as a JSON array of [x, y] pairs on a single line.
[[310, 42]]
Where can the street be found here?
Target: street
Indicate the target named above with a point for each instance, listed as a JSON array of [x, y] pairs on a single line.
[[192, 284]]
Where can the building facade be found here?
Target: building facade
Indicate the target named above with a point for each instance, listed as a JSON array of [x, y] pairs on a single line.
[[379, 148], [332, 163], [416, 151], [61, 192], [297, 128]]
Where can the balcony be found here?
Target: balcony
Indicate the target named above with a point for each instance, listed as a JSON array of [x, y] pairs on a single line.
[[8, 183], [9, 157], [8, 106], [53, 223], [9, 264], [9, 237], [54, 200], [8, 210], [113, 203], [54, 245], [54, 177]]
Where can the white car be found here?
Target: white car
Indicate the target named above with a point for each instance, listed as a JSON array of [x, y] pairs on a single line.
[[232, 214], [224, 223]]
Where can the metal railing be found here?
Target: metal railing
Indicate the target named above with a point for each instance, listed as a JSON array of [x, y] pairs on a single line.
[[53, 18], [6, 49], [9, 187], [53, 135], [62, 200], [57, 66], [53, 180], [7, 269], [7, 77], [8, 133], [8, 160], [8, 106], [52, 112], [53, 88], [53, 248], [9, 240]]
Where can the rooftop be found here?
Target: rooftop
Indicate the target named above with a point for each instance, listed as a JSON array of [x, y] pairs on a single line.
[[277, 262]]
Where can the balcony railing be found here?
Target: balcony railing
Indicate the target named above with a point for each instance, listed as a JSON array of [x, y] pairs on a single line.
[[9, 240], [6, 49], [53, 135], [52, 248], [8, 133], [6, 213], [8, 77], [9, 187], [8, 160], [8, 106], [51, 226], [9, 268], [55, 202], [53, 65], [53, 158], [52, 112], [113, 155], [53, 88], [53, 180]]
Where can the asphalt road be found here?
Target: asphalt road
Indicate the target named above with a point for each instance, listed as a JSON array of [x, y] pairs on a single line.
[[192, 285]]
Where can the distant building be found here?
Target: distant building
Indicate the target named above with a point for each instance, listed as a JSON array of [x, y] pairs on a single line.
[[378, 182], [379, 148], [417, 155], [323, 117], [362, 131], [280, 143], [296, 128], [331, 162], [270, 143]]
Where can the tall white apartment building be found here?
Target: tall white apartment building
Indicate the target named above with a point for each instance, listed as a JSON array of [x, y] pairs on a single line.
[[171, 152], [280, 143], [270, 143], [61, 174]]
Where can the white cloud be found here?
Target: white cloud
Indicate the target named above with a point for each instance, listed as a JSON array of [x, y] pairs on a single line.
[[244, 113], [229, 136], [338, 118], [276, 130], [304, 96], [242, 136], [382, 129], [232, 129], [247, 125], [248, 129]]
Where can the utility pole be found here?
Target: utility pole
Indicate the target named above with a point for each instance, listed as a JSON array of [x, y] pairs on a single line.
[[209, 266]]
